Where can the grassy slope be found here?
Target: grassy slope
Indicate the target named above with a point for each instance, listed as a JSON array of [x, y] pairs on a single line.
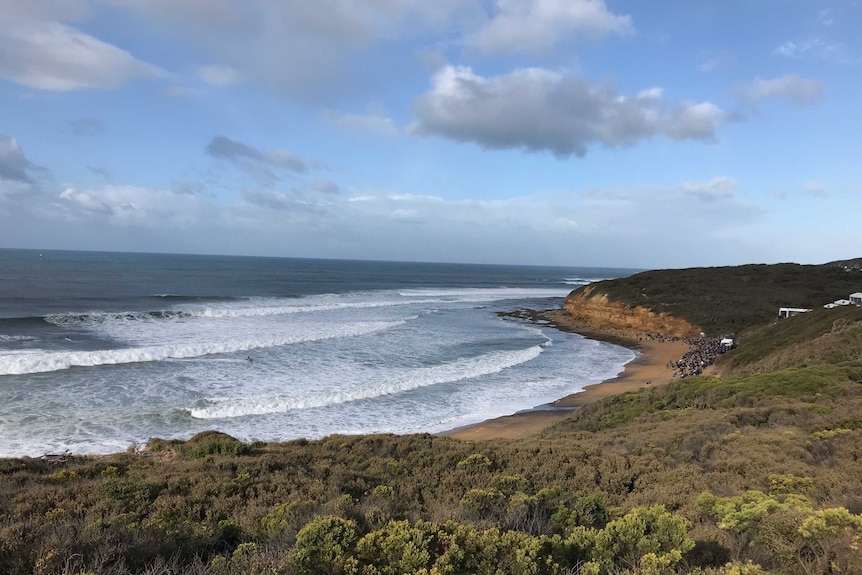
[[731, 299], [821, 336]]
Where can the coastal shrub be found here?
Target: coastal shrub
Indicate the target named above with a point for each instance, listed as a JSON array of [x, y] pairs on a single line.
[[214, 443], [397, 548], [509, 484], [475, 461], [63, 475], [287, 516], [780, 484], [584, 509], [131, 499], [324, 546], [787, 531], [465, 549], [648, 538], [831, 542], [483, 503], [747, 568]]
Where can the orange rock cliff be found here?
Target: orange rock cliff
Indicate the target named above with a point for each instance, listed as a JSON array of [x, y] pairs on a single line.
[[593, 309]]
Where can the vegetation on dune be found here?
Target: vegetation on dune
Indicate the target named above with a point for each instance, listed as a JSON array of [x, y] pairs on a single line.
[[731, 299], [755, 472], [855, 263], [831, 336]]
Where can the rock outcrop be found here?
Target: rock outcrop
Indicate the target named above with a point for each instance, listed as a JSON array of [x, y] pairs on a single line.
[[593, 310]]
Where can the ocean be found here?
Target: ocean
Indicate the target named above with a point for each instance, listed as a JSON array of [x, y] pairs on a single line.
[[102, 351]]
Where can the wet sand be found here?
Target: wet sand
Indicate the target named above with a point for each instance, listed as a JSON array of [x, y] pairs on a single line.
[[649, 368]]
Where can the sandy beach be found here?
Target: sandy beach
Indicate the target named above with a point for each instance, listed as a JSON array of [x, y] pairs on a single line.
[[649, 368]]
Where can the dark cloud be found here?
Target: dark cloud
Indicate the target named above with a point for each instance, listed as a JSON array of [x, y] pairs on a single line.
[[103, 173], [539, 110], [324, 187], [87, 127], [14, 166], [280, 201], [187, 188], [260, 164]]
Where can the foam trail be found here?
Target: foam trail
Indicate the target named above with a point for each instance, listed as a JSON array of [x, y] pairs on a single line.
[[483, 294], [186, 312], [4, 337], [263, 307], [487, 364], [39, 361], [581, 281]]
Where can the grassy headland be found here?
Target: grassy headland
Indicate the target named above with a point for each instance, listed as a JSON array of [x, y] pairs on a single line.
[[732, 299], [756, 471]]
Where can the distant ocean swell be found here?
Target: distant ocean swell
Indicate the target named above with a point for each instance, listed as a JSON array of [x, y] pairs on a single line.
[[24, 362]]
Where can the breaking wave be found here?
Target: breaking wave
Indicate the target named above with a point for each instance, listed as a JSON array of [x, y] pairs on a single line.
[[487, 364], [40, 361]]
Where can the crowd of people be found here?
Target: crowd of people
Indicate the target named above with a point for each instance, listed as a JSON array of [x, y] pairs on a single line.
[[701, 353]]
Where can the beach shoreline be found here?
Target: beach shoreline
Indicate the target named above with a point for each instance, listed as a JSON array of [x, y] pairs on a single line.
[[649, 368]]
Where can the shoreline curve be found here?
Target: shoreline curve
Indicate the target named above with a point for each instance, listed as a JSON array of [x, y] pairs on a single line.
[[649, 367]]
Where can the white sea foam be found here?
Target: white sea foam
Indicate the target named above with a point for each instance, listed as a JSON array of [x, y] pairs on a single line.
[[4, 337], [38, 361], [487, 364], [483, 294], [263, 307], [259, 308], [581, 281]]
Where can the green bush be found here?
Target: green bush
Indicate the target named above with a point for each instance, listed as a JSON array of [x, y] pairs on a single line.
[[649, 538], [214, 443], [324, 546]]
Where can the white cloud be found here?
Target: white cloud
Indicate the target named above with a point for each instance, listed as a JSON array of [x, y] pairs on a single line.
[[49, 55], [709, 64], [535, 26], [370, 123], [814, 48], [717, 188], [537, 109], [826, 17], [815, 188], [16, 12], [622, 226], [132, 206], [789, 86], [219, 75], [303, 50]]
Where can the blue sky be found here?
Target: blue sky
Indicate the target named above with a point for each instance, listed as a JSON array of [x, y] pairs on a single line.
[[571, 132]]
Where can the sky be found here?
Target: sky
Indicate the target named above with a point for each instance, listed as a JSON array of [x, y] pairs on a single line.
[[615, 133]]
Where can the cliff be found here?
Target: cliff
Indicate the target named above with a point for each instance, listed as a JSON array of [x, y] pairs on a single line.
[[594, 310]]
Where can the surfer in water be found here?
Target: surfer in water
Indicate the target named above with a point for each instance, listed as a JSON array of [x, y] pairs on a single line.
[[248, 358]]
